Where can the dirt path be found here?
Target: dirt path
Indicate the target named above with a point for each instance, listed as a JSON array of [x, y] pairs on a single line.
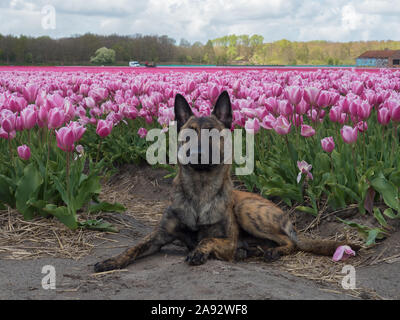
[[166, 275]]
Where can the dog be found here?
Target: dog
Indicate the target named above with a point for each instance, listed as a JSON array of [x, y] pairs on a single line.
[[210, 217]]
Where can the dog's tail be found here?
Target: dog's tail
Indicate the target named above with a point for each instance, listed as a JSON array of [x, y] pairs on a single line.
[[318, 246]]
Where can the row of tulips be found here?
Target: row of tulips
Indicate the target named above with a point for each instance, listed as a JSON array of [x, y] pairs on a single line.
[[326, 138]]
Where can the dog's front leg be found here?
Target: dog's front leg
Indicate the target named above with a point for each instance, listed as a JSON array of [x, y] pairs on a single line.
[[165, 233], [221, 248]]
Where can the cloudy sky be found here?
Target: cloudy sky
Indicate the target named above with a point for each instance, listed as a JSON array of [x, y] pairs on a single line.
[[200, 20]]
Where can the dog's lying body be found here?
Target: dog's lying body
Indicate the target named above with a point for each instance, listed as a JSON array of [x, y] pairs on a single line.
[[213, 219]]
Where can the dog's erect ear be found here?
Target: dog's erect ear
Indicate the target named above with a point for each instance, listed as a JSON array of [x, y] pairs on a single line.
[[182, 111], [223, 109]]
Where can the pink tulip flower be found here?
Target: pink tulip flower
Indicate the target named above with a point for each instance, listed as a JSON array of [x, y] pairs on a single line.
[[334, 114], [77, 129], [104, 128], [311, 95], [323, 99], [252, 125], [285, 108], [304, 168], [276, 90], [362, 126], [349, 134], [24, 152], [65, 139], [383, 116], [294, 94], [8, 122], [7, 135], [56, 118], [142, 132], [328, 144], [395, 110], [268, 122], [29, 117], [307, 131], [357, 88], [30, 92], [364, 110], [282, 125]]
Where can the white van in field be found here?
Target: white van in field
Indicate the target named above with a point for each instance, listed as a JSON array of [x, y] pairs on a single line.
[[134, 64]]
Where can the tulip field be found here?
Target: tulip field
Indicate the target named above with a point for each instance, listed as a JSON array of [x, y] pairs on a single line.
[[325, 139]]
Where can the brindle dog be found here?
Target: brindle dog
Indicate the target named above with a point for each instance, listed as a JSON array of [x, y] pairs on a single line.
[[210, 217]]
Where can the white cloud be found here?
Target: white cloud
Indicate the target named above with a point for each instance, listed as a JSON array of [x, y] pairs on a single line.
[[200, 20]]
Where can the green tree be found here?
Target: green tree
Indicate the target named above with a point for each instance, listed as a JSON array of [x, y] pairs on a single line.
[[103, 56]]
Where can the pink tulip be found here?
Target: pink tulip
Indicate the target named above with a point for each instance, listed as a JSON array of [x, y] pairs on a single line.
[[43, 115], [383, 116], [362, 126], [272, 105], [65, 139], [343, 253], [30, 92], [343, 118], [328, 144], [268, 122], [24, 152], [294, 94], [323, 99], [364, 110], [395, 110], [349, 134], [77, 129], [16, 104], [276, 90], [104, 128], [56, 118], [282, 125], [69, 110], [29, 117], [7, 135], [302, 107], [304, 168], [8, 122], [334, 114], [311, 95], [357, 88], [252, 125], [285, 108], [307, 131], [142, 132]]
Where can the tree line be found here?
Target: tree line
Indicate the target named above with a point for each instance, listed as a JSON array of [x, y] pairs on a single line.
[[230, 49]]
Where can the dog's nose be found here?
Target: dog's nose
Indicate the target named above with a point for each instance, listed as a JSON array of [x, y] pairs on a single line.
[[196, 156]]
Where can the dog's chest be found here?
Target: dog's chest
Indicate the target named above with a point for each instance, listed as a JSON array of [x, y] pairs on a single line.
[[195, 215]]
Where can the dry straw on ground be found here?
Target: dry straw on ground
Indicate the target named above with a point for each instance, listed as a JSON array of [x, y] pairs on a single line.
[[20, 239]]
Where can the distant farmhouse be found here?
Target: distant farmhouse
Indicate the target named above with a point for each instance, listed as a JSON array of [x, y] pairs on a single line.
[[379, 59]]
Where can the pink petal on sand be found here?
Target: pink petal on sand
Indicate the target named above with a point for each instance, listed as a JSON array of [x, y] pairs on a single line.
[[342, 253]]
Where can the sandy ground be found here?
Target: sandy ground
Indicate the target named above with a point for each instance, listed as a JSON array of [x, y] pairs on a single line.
[[166, 275]]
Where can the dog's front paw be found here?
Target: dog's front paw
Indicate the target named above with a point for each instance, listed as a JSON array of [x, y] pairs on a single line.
[[271, 255], [106, 265], [196, 258], [240, 254]]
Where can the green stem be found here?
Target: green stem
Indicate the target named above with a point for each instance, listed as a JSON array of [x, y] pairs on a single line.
[[10, 149], [354, 160], [383, 142], [48, 140], [98, 150], [67, 173]]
